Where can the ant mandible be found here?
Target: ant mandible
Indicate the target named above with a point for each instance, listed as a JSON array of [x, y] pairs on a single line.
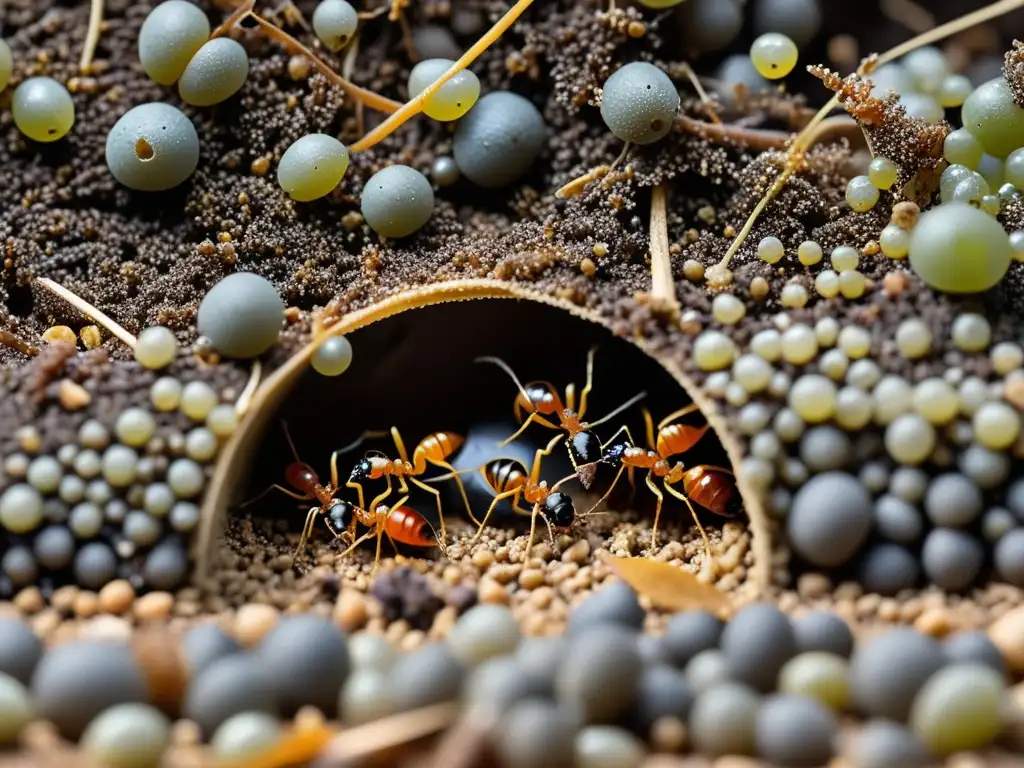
[[510, 479], [400, 523], [705, 484], [540, 398], [435, 449]]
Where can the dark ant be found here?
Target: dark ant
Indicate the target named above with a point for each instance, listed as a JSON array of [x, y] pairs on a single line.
[[540, 398], [704, 484], [510, 479], [434, 449], [400, 523]]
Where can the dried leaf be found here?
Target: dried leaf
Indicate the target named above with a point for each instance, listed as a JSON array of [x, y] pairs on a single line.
[[668, 587]]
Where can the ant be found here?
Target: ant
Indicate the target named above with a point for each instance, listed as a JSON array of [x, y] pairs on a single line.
[[705, 484], [540, 399], [510, 479], [435, 449], [400, 523]]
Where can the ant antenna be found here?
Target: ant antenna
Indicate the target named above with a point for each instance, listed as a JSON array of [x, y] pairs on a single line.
[[563, 480], [629, 403], [507, 369], [288, 437]]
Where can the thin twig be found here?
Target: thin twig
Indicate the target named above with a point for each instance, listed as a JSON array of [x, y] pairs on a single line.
[[245, 399], [390, 732], [663, 287], [236, 16], [92, 36], [709, 105], [8, 339], [414, 106], [88, 310], [762, 139], [577, 185], [909, 14], [803, 139]]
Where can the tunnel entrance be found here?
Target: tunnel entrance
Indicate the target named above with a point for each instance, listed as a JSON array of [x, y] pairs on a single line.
[[416, 371]]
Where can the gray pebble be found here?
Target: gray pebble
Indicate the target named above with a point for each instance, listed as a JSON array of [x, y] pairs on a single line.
[[952, 559], [44, 474], [909, 484], [830, 519], [127, 736], [232, 684], [445, 170], [497, 142], [823, 631], [540, 658], [166, 566], [723, 719], [887, 569], [242, 315], [183, 517], [20, 649], [757, 642], [206, 644], [537, 734], [609, 694], [435, 42], [652, 649], [152, 147], [306, 662], [738, 69], [885, 744], [690, 632], [874, 476], [663, 692], [484, 631], [607, 746], [367, 695], [794, 730], [496, 683], [897, 520], [613, 604], [825, 448], [800, 20], [639, 103], [887, 671], [397, 201], [245, 734], [366, 651], [953, 500], [996, 523], [15, 710], [1009, 557], [973, 648], [706, 669], [429, 675], [76, 681], [19, 566], [985, 467], [1015, 499], [95, 565], [72, 489], [141, 529], [711, 25]]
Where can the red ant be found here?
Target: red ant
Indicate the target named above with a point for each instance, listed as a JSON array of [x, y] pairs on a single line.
[[510, 479], [705, 484], [399, 523], [434, 449], [540, 398]]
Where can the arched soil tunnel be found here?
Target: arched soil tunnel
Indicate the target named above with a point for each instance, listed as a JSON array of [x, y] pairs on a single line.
[[415, 370]]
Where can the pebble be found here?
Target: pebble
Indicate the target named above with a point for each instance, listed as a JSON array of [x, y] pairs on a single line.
[[245, 734], [707, 668], [662, 692], [117, 597], [253, 621], [540, 658], [429, 675], [607, 695], [1007, 634], [127, 736], [228, 686], [830, 519], [373, 652], [887, 671], [166, 566], [483, 632], [75, 682], [690, 632], [887, 569], [15, 709], [496, 683], [305, 662], [795, 731], [723, 720], [607, 746], [537, 734], [822, 676], [20, 650], [958, 708], [613, 604], [823, 631], [952, 559], [885, 744], [366, 696], [756, 643], [974, 647], [205, 644], [154, 606]]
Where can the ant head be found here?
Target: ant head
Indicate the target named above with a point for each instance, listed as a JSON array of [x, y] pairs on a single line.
[[360, 471], [560, 509], [339, 514], [586, 447], [615, 453]]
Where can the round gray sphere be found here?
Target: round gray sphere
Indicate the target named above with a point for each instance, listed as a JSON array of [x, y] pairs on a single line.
[[830, 519], [152, 147], [953, 500], [887, 671], [1009, 557], [799, 20], [206, 644], [305, 659], [823, 631], [640, 103], [397, 201], [898, 521], [497, 142], [429, 675], [952, 559], [756, 643], [795, 731], [95, 565], [613, 604], [75, 682], [233, 684], [166, 566], [600, 675], [536, 734], [20, 649], [723, 719], [888, 568], [663, 692], [690, 632], [973, 648], [241, 315], [884, 744]]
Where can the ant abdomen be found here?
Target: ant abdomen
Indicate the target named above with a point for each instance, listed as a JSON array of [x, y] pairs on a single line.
[[586, 447], [560, 509], [301, 477]]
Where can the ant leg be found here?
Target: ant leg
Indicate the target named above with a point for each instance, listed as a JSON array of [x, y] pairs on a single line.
[[538, 457], [631, 476], [299, 496], [458, 482], [570, 396], [533, 417], [360, 496], [383, 495], [590, 383], [494, 503], [696, 521], [533, 528], [608, 492], [677, 414], [440, 512], [288, 437], [399, 444], [358, 541], [618, 432], [657, 512], [551, 530], [649, 427], [376, 557], [307, 530]]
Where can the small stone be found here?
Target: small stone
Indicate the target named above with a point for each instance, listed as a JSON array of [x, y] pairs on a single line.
[[117, 597], [483, 632], [537, 734], [205, 644], [887, 671], [690, 632], [723, 719], [613, 604], [155, 606], [305, 661], [1007, 634], [607, 746], [429, 675], [72, 395], [794, 730], [127, 736], [245, 735], [757, 642], [228, 686], [20, 649], [613, 650]]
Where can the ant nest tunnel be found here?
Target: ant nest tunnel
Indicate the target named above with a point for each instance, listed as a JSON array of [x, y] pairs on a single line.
[[467, 370]]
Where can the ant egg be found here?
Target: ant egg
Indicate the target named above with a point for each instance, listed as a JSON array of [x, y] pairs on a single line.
[[954, 91], [770, 249], [809, 253], [170, 37], [962, 148], [335, 22], [739, 70], [992, 116], [894, 241], [216, 73], [156, 347], [883, 172], [640, 103], [312, 166], [6, 64], [922, 106], [397, 201], [445, 171], [42, 109], [955, 248], [1014, 168], [774, 55], [845, 258], [453, 99], [242, 316], [152, 147], [928, 67], [333, 357], [497, 142], [861, 194]]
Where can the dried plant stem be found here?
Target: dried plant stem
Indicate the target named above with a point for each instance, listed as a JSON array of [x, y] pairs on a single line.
[[762, 140], [908, 13], [88, 310], [709, 105], [663, 286], [245, 399], [392, 731], [237, 15], [809, 134], [92, 36], [415, 106], [8, 339]]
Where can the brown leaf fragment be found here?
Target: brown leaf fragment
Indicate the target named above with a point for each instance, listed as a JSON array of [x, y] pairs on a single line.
[[669, 587]]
